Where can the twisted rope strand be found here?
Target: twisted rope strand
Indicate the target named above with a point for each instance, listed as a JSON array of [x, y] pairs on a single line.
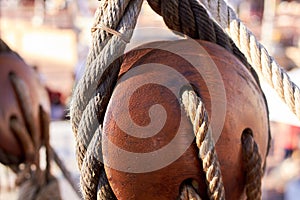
[[252, 165], [106, 47], [110, 48], [89, 103], [198, 115], [80, 112], [96, 107], [256, 53], [206, 28], [89, 179], [106, 16]]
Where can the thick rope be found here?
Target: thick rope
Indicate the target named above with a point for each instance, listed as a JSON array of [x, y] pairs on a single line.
[[90, 103], [91, 93], [206, 29], [198, 115], [256, 53], [106, 49], [252, 165]]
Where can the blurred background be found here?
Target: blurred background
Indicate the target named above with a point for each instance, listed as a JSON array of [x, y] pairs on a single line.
[[54, 36]]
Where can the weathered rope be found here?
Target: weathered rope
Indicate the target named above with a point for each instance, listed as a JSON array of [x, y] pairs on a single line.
[[198, 115], [94, 90], [106, 48], [90, 101], [256, 53], [205, 29], [252, 165]]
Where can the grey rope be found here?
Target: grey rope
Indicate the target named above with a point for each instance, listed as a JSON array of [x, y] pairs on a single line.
[[90, 101], [106, 50]]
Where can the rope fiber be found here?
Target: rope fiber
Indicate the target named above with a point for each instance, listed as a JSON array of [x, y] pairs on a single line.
[[256, 54], [190, 17], [198, 115]]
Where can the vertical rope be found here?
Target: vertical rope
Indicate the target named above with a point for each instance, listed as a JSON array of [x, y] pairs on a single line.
[[199, 118], [252, 165], [93, 91]]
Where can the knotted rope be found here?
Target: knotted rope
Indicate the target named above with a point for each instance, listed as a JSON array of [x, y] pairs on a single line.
[[93, 92]]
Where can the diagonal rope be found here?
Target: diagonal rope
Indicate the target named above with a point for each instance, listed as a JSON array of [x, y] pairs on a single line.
[[206, 28], [256, 53], [105, 49], [85, 91]]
